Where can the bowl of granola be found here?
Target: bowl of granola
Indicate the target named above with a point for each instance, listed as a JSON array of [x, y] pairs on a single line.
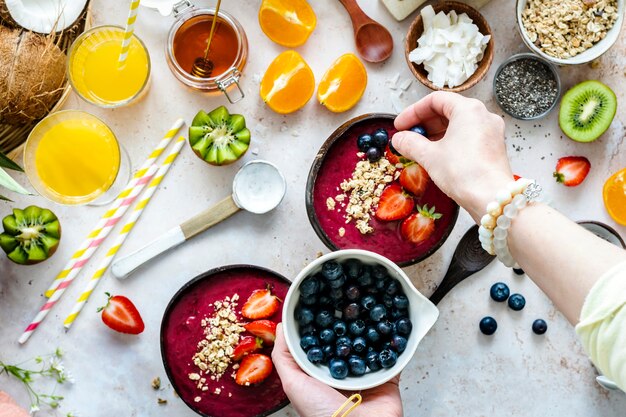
[[570, 32], [365, 197], [216, 341]]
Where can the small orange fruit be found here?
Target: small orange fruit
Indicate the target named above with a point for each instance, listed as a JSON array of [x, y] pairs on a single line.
[[614, 194], [343, 84], [288, 83], [287, 22]]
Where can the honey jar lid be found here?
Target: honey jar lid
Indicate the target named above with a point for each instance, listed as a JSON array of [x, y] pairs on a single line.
[[167, 7]]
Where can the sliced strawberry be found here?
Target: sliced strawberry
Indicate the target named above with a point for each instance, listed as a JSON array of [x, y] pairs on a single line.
[[265, 329], [391, 157], [246, 346], [420, 225], [260, 305], [394, 204], [572, 170], [414, 179], [516, 177], [253, 369], [121, 315]]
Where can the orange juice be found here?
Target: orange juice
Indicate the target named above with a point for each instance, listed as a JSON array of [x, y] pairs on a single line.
[[97, 76]]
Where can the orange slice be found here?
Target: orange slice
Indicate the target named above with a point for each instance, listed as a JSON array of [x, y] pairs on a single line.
[[287, 22], [288, 83], [614, 194], [343, 84]]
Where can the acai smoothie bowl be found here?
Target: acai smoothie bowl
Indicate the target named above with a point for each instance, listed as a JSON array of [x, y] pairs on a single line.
[[361, 194]]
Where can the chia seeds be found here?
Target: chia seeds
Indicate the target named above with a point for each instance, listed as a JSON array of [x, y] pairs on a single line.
[[526, 88]]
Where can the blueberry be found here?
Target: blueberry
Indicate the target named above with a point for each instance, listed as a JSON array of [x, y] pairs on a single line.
[[384, 327], [518, 271], [393, 287], [351, 311], [372, 335], [386, 345], [499, 292], [404, 326], [540, 326], [488, 325], [331, 270], [517, 302], [387, 300], [353, 293], [418, 129], [327, 336], [304, 316], [308, 341], [374, 154], [339, 304], [308, 301], [353, 268], [387, 358], [343, 351], [378, 312], [310, 286], [372, 290], [380, 138], [324, 301], [337, 283], [371, 359], [344, 340], [401, 301], [336, 294], [364, 142], [365, 278], [357, 327], [308, 329], [393, 149], [329, 352], [315, 355], [340, 328], [379, 272], [357, 366], [324, 319], [338, 368], [398, 343], [397, 313], [368, 302], [359, 345]]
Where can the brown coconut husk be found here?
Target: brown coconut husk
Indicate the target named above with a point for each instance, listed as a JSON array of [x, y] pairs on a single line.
[[5, 16], [32, 75]]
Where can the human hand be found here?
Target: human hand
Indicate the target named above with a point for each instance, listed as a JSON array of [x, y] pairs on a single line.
[[465, 156], [312, 398]]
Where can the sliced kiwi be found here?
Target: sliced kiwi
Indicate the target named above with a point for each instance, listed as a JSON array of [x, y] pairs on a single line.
[[31, 235], [218, 137], [587, 111]]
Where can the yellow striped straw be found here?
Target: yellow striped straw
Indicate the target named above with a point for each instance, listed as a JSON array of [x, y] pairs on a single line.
[[128, 32], [124, 232], [351, 403], [115, 211]]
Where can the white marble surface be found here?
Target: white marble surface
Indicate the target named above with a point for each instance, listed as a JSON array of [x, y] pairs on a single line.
[[456, 371]]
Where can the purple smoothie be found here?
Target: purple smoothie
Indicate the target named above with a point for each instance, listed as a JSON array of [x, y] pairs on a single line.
[[386, 240], [181, 331]]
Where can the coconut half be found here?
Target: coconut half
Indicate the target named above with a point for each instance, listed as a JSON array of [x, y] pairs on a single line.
[[43, 16]]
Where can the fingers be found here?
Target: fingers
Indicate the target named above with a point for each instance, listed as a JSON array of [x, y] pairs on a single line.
[[286, 366], [413, 146], [437, 104]]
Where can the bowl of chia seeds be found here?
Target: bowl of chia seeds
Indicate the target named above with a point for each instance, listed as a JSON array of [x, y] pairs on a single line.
[[526, 86]]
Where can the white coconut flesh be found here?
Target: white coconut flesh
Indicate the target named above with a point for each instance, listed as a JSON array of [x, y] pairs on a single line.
[[44, 16]]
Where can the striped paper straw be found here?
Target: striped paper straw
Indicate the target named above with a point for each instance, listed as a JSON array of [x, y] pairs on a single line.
[[117, 209], [128, 32], [124, 233], [45, 309]]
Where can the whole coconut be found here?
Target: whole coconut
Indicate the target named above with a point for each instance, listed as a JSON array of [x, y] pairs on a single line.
[[32, 75]]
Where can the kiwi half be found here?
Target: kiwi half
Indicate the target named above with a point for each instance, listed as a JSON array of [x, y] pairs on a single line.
[[31, 235], [218, 137], [587, 111]]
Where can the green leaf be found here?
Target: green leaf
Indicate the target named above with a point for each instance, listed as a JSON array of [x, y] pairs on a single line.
[[5, 162], [7, 181]]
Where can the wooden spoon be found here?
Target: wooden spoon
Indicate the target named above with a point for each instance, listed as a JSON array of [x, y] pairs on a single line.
[[373, 42], [469, 257]]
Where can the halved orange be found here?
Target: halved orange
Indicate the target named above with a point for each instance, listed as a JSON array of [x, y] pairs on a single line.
[[288, 83], [614, 195], [287, 22], [343, 84]]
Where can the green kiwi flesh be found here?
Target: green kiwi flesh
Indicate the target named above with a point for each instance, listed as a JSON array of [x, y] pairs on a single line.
[[587, 111], [31, 235], [218, 137]]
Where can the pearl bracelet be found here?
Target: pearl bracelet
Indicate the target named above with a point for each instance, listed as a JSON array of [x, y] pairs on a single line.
[[494, 225]]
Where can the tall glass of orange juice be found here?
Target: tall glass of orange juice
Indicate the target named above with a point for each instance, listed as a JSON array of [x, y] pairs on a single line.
[[95, 73], [72, 157]]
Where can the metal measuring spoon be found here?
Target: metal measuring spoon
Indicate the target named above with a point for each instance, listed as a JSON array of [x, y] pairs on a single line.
[[258, 188]]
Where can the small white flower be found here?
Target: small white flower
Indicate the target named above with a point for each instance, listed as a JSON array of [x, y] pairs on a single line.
[[34, 408]]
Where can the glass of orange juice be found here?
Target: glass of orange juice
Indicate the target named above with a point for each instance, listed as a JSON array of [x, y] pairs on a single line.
[[72, 157], [97, 76]]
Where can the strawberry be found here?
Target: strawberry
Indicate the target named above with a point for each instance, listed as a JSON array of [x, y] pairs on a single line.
[[572, 170], [414, 179], [121, 315], [246, 346], [516, 177], [253, 369], [419, 226], [391, 157], [394, 204], [261, 304], [264, 329]]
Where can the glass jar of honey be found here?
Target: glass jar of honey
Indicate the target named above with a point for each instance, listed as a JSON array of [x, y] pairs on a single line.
[[187, 41]]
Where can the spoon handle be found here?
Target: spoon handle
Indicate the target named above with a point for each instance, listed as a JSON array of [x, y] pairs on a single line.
[[454, 276], [357, 15], [210, 217]]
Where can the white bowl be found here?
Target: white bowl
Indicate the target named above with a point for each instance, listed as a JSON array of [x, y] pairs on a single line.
[[422, 312], [590, 54]]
